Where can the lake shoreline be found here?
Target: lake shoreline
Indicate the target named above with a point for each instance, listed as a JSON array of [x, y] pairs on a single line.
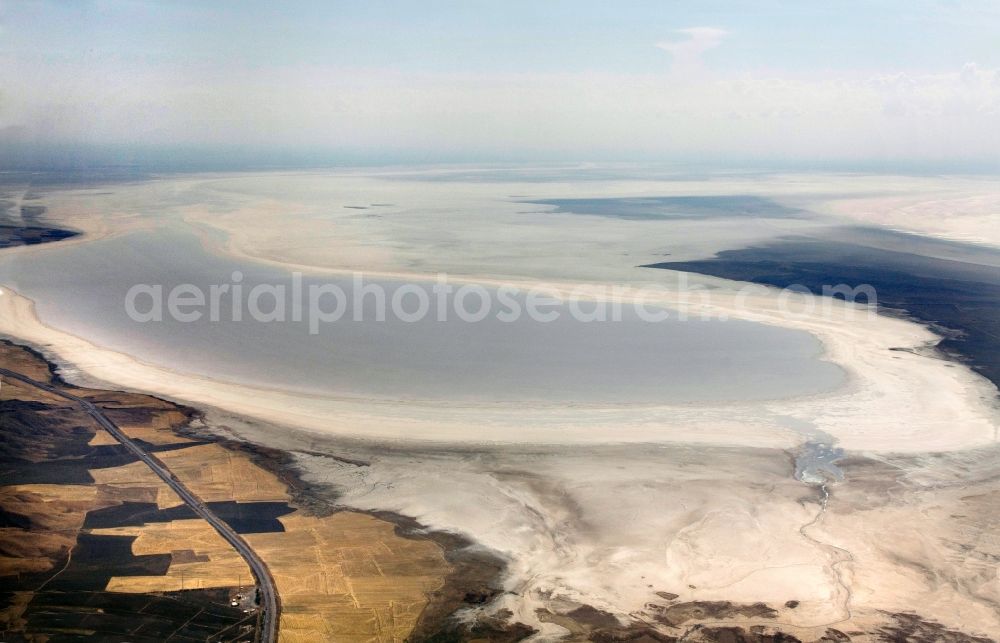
[[959, 301], [475, 573]]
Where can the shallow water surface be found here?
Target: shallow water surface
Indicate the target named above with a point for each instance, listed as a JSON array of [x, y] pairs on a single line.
[[82, 289]]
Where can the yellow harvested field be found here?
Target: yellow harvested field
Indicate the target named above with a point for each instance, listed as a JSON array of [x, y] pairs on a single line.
[[349, 577], [133, 475], [16, 358], [201, 558], [157, 429], [113, 494], [57, 512], [162, 421], [343, 577], [102, 438], [58, 493], [154, 435], [217, 474], [14, 390]]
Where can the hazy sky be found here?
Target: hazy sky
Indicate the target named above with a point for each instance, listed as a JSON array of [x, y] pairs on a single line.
[[907, 80]]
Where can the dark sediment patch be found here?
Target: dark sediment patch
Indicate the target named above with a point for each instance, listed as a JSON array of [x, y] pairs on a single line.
[[680, 622], [834, 636], [913, 629], [495, 629], [675, 207], [680, 613], [589, 624], [958, 299], [735, 634], [632, 635], [583, 622], [474, 580], [593, 617]]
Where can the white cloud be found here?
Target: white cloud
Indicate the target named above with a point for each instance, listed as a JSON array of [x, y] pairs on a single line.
[[917, 116], [687, 51]]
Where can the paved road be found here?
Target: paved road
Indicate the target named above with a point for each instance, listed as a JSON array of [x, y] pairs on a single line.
[[269, 595]]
